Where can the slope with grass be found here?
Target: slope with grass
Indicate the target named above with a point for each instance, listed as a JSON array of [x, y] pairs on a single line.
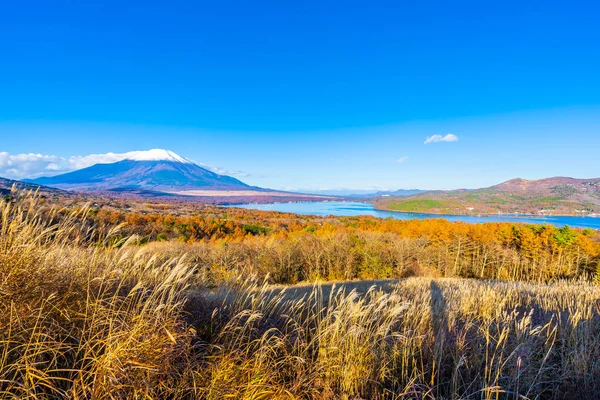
[[557, 196], [85, 313], [6, 186]]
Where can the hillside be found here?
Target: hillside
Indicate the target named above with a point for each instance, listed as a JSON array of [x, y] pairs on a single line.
[[557, 196], [6, 185]]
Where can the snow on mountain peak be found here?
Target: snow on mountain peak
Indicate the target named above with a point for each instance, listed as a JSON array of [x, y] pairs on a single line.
[[155, 155]]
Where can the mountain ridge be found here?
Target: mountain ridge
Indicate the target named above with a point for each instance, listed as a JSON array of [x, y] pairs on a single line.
[[555, 195], [520, 184], [155, 170]]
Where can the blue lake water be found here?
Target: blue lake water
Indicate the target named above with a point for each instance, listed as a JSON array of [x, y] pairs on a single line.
[[341, 208]]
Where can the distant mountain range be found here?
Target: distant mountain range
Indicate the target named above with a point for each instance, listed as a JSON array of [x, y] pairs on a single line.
[[154, 170], [558, 196], [162, 172], [365, 194], [398, 193]]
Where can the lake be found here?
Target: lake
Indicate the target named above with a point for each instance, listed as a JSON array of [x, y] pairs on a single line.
[[342, 208]]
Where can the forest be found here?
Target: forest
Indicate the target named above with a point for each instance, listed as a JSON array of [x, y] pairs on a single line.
[[291, 248]]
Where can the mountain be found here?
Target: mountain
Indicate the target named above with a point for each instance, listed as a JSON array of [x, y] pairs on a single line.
[[548, 185], [558, 196], [154, 170]]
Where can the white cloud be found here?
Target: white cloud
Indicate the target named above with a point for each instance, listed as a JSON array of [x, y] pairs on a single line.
[[53, 167], [78, 162], [20, 166], [402, 159], [28, 165], [440, 138]]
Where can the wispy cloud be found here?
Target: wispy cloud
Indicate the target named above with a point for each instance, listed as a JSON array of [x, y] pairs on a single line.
[[224, 171], [441, 138], [402, 159]]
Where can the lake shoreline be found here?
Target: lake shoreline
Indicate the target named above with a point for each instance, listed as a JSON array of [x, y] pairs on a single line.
[[491, 214], [341, 200], [344, 208]]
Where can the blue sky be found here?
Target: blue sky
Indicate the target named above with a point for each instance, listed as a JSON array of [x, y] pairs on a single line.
[[307, 95]]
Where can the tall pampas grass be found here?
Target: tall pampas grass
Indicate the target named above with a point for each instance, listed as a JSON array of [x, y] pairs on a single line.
[[80, 318], [91, 316]]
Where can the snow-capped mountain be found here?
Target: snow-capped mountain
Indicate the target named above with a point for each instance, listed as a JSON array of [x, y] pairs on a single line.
[[153, 170], [155, 155]]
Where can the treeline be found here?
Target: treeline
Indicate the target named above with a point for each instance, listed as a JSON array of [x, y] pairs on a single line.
[[348, 254], [290, 248]]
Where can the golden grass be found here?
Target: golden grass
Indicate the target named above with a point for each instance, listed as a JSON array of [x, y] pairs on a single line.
[[83, 318], [447, 338]]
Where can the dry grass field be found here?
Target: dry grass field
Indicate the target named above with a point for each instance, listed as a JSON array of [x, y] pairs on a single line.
[[85, 317]]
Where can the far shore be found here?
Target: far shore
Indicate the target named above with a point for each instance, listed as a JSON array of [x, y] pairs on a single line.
[[245, 193], [516, 215]]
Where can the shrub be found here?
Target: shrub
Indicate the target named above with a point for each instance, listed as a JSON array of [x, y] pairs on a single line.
[[162, 237], [255, 229]]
